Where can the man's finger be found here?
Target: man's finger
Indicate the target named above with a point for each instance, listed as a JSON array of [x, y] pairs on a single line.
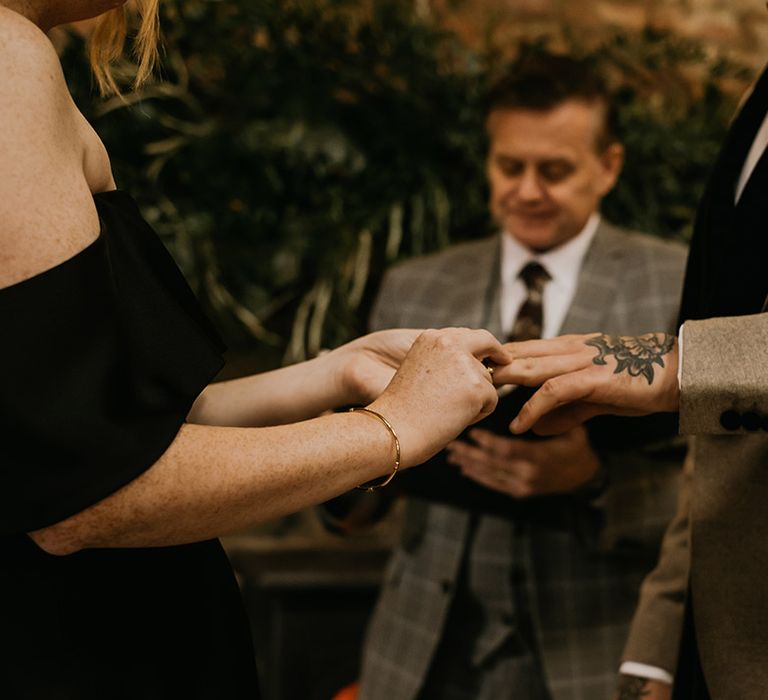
[[462, 453], [533, 370], [554, 393], [566, 418], [493, 477], [503, 447], [561, 345], [482, 477], [502, 481], [478, 467]]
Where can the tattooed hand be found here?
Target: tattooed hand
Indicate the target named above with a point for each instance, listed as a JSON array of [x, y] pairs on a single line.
[[585, 375], [635, 354], [634, 688]]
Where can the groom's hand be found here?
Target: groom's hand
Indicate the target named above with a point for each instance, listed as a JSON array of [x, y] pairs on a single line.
[[581, 376]]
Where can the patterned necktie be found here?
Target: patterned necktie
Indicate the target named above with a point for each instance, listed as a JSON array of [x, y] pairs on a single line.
[[530, 318]]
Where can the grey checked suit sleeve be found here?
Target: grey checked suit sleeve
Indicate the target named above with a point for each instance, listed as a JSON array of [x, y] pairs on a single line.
[[724, 378]]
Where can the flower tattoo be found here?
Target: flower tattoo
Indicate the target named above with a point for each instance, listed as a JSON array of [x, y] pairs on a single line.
[[636, 354]]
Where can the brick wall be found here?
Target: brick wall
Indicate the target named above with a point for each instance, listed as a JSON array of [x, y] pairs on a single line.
[[737, 29]]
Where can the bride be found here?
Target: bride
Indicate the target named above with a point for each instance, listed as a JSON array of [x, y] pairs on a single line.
[[120, 462]]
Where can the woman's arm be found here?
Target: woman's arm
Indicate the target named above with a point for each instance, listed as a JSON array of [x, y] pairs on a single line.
[[212, 481], [355, 373]]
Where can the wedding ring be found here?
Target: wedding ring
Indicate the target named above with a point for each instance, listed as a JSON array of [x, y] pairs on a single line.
[[490, 369]]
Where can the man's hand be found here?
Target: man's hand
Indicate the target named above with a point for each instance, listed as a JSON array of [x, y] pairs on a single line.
[[636, 688], [525, 468], [585, 375]]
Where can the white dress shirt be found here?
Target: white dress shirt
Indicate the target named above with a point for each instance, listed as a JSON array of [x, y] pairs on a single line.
[[754, 155], [563, 265]]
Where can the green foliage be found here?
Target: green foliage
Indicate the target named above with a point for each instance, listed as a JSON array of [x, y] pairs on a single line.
[[294, 149], [674, 106]]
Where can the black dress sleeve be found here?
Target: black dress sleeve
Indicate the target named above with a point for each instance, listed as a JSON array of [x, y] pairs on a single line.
[[101, 360]]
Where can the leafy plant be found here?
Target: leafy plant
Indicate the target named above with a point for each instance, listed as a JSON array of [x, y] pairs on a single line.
[[295, 148], [674, 106]]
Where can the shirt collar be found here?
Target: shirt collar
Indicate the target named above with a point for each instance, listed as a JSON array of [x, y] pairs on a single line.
[[563, 263]]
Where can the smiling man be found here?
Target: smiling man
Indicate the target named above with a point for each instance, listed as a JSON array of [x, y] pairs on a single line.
[[521, 558], [550, 166]]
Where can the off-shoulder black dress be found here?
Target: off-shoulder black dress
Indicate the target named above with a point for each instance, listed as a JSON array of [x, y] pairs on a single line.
[[101, 359]]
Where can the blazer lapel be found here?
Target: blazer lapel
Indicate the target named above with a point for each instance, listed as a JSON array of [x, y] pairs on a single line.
[[744, 129], [597, 280], [473, 300]]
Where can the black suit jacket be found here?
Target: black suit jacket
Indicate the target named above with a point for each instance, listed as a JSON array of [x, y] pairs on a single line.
[[726, 272], [726, 276]]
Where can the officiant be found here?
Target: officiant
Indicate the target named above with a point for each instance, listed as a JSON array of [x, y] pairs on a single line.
[[520, 559]]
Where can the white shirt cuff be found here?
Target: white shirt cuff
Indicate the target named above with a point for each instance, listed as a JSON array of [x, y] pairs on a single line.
[[680, 357], [631, 668]]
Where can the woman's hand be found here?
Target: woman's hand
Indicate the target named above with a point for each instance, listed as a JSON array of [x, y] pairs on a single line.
[[584, 375], [367, 364], [355, 373], [441, 387]]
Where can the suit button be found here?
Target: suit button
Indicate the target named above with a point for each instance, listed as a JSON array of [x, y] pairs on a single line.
[[730, 420], [447, 586], [750, 420]]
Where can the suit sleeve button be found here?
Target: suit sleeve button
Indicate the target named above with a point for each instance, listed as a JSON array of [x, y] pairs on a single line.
[[730, 420], [446, 585], [750, 420]]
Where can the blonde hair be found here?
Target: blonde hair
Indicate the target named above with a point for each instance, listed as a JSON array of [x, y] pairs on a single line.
[[107, 44]]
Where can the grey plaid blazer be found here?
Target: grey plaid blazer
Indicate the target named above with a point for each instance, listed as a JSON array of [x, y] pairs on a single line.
[[581, 587]]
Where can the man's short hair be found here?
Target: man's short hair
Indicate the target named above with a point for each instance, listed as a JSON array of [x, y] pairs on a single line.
[[542, 81]]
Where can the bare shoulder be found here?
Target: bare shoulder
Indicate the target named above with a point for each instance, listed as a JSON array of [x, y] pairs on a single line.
[[19, 33], [46, 208], [32, 75]]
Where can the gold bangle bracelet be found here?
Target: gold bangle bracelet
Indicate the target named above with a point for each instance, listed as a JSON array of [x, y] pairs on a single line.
[[373, 485]]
